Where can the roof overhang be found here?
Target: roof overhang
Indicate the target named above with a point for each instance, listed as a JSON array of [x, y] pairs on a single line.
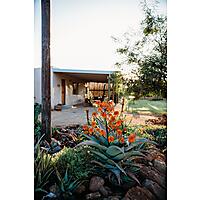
[[85, 75]]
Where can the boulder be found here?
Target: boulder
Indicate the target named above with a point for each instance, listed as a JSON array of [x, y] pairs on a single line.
[[154, 153], [160, 166], [103, 191], [94, 195], [139, 193], [152, 174], [96, 183], [80, 189], [114, 198], [158, 191]]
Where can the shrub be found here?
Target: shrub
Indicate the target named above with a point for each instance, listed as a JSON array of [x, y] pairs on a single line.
[[155, 133], [37, 123], [76, 161]]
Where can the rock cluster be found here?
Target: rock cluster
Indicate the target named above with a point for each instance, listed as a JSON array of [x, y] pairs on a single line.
[[152, 176]]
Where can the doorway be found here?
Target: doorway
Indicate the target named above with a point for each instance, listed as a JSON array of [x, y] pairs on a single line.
[[63, 93]]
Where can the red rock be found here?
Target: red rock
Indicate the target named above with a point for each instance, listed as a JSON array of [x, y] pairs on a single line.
[[139, 193], [152, 174], [158, 191], [96, 183], [160, 166]]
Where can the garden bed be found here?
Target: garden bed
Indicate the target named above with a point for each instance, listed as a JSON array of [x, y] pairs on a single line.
[[106, 160]]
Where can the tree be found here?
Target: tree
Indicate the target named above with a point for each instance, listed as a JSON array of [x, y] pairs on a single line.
[[146, 53]]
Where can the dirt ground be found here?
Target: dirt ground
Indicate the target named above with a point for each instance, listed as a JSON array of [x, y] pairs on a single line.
[[77, 115]]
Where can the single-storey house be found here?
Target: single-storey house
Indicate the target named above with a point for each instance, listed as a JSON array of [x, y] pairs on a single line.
[[73, 86]]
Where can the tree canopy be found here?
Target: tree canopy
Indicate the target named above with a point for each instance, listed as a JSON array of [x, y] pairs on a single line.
[[146, 55]]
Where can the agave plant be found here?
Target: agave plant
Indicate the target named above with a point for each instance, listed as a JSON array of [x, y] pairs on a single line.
[[66, 185], [113, 145], [43, 168]]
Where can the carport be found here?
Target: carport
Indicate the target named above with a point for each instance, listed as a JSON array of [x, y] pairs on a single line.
[[73, 86]]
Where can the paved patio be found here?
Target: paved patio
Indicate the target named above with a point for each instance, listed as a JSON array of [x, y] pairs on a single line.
[[70, 116], [77, 115]]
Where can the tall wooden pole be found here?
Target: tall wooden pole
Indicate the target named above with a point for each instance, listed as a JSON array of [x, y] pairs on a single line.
[[46, 70]]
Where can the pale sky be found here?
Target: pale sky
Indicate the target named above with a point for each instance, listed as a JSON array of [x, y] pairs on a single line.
[[81, 31]]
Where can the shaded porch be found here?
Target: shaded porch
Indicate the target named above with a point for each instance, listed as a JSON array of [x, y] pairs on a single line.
[[71, 87]]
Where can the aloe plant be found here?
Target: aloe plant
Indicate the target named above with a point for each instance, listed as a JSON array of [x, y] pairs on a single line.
[[113, 148], [114, 158]]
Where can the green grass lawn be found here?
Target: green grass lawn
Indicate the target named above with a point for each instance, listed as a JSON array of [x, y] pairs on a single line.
[[147, 107]]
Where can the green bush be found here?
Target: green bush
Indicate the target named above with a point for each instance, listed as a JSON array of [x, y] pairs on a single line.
[[37, 123], [76, 161], [155, 133]]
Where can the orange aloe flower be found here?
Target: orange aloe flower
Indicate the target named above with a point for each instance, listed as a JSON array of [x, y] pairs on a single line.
[[85, 127], [110, 139], [94, 124], [104, 104], [98, 130], [132, 137], [118, 123], [113, 126], [119, 132], [109, 109], [111, 103], [109, 115], [125, 129], [91, 130], [116, 113], [103, 115], [94, 114], [97, 102], [103, 133], [121, 140], [112, 119], [99, 109]]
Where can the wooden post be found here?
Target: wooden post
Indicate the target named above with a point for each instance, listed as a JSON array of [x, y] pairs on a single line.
[[109, 87], [123, 102], [87, 116], [46, 70]]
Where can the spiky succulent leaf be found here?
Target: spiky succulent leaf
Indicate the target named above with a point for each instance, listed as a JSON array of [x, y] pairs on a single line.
[[114, 150], [100, 124], [100, 155], [116, 172], [133, 153], [90, 137], [93, 144], [119, 157], [130, 174], [137, 143]]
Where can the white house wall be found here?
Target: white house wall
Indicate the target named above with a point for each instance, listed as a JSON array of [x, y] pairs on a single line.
[[37, 85], [70, 99]]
